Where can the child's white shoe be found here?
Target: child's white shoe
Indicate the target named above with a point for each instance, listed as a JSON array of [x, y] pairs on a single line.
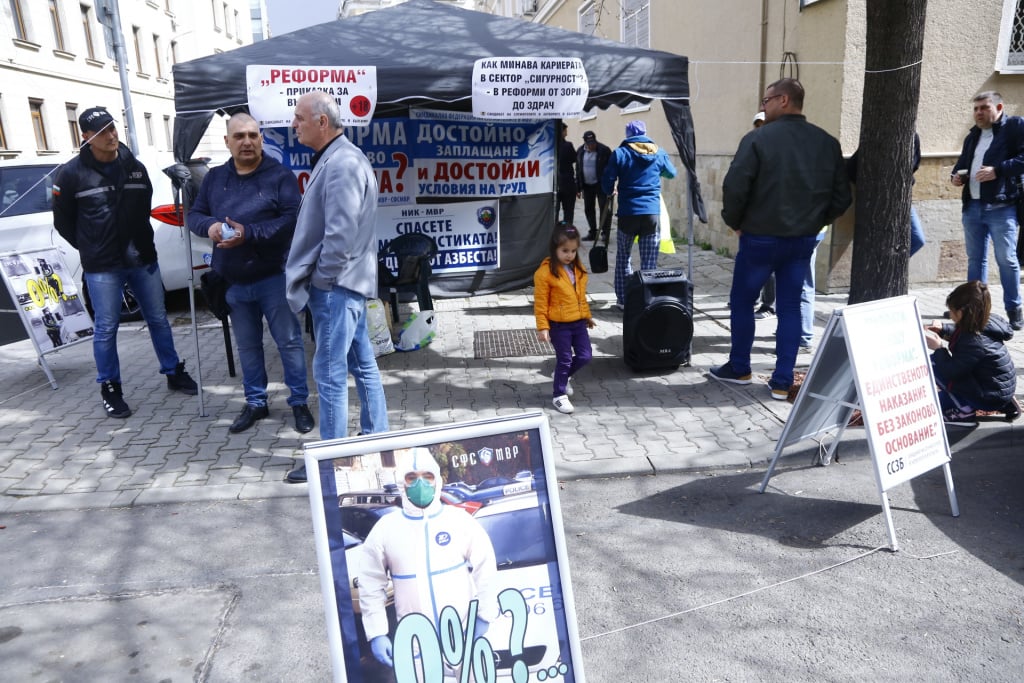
[[562, 404]]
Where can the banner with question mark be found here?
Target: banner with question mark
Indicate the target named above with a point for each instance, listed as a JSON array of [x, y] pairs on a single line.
[[441, 555]]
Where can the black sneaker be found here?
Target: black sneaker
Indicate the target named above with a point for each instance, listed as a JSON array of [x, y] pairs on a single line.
[[1016, 318], [764, 313], [113, 400], [1012, 410], [180, 381], [955, 417]]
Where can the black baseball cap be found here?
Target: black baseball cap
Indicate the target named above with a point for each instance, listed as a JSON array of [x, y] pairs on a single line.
[[589, 136], [94, 119]]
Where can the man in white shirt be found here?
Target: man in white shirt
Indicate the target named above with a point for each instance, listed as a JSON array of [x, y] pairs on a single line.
[[989, 166]]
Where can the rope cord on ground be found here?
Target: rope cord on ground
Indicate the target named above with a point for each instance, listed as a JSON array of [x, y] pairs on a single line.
[[734, 597]]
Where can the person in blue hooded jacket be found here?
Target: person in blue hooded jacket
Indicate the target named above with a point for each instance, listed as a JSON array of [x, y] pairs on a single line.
[[634, 172], [247, 207]]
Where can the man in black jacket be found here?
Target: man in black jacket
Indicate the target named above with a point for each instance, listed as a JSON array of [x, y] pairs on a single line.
[[591, 158], [101, 204], [988, 168], [785, 183]]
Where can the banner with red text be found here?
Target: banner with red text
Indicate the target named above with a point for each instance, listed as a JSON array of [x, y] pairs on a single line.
[[273, 91]]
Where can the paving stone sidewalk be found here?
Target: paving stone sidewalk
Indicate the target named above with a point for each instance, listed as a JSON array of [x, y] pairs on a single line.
[[58, 450]]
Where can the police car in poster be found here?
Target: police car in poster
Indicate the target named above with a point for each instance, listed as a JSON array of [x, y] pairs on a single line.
[[442, 556]]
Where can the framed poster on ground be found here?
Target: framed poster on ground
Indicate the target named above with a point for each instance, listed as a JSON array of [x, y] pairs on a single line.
[[442, 556], [47, 299]]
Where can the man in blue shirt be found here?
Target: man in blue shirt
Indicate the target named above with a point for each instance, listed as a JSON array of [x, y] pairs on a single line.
[[247, 207]]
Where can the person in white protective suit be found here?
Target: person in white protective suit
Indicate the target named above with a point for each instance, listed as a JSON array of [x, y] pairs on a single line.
[[436, 555]]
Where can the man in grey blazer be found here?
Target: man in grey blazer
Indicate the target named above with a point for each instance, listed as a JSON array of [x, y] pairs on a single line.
[[332, 268]]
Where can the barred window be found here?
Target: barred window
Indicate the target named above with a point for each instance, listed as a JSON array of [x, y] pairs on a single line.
[[587, 19], [636, 23], [1010, 57]]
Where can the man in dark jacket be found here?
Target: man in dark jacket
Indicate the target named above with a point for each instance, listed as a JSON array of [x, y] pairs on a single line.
[[591, 160], [785, 183], [988, 168], [101, 204], [566, 177], [247, 207]]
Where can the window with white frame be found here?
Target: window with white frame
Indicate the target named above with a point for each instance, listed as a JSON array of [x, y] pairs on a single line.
[[148, 119], [586, 19], [19, 20], [58, 29], [35, 108], [158, 68], [71, 111], [3, 136], [167, 132], [636, 23], [137, 39], [1010, 57], [90, 49]]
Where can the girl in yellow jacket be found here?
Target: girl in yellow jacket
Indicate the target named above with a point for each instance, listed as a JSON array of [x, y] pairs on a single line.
[[562, 312]]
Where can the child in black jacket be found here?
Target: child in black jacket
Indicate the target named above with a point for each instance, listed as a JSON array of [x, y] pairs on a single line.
[[972, 367]]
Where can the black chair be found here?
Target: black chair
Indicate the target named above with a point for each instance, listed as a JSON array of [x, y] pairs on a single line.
[[404, 266]]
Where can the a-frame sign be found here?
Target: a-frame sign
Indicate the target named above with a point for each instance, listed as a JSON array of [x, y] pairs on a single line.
[[873, 357]]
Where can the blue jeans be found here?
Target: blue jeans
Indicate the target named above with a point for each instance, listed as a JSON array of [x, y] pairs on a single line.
[[759, 256], [649, 244], [807, 298], [106, 292], [916, 232], [250, 303], [342, 347], [567, 338], [998, 223]]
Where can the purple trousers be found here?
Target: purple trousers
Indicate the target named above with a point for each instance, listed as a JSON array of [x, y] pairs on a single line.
[[569, 339]]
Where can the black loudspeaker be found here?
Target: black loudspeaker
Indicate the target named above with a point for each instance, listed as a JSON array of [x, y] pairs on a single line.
[[657, 325]]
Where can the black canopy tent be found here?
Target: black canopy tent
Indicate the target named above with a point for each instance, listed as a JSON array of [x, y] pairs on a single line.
[[424, 53]]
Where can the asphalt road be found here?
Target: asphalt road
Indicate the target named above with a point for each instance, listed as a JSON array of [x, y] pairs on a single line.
[[680, 577]]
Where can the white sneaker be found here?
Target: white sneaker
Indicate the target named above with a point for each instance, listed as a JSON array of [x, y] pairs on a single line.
[[562, 404], [568, 388]]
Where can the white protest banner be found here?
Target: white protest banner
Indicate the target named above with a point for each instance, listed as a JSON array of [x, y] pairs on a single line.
[[274, 90], [436, 154], [894, 379], [466, 233], [529, 87], [456, 155]]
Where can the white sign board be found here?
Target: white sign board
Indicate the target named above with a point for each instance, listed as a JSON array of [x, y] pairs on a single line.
[[466, 233], [897, 391], [529, 87], [470, 583], [48, 301], [274, 91], [873, 357]]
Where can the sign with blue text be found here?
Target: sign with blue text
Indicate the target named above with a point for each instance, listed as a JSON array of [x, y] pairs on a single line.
[[442, 556]]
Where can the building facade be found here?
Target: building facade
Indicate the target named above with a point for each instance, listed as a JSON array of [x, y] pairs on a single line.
[[55, 63], [737, 47]]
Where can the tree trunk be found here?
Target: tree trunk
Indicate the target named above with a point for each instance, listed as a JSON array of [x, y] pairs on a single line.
[[892, 83]]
